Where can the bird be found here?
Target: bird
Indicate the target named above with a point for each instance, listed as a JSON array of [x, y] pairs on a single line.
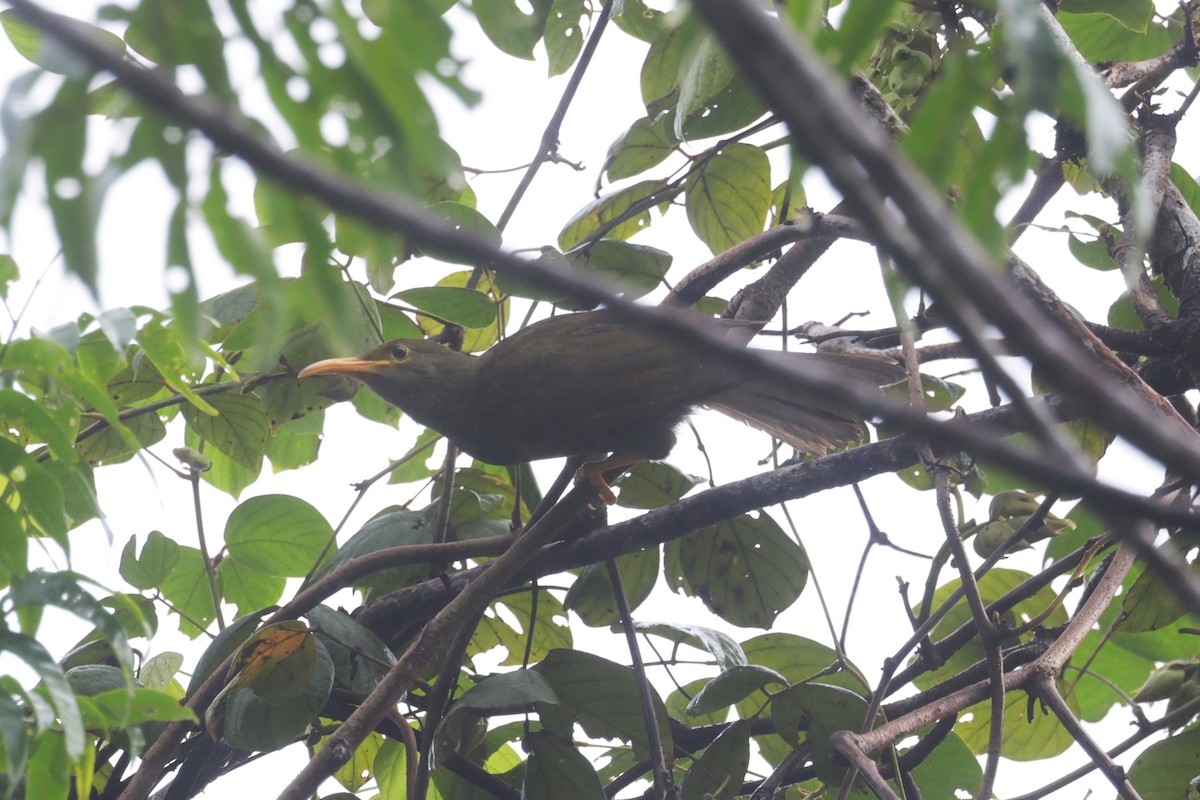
[[590, 384]]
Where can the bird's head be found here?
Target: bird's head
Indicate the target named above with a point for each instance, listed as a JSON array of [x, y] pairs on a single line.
[[405, 372]]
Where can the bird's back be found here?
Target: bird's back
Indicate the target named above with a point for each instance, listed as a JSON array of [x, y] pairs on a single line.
[[591, 384]]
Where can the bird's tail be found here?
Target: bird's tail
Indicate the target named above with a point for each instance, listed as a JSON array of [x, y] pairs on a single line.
[[807, 423]]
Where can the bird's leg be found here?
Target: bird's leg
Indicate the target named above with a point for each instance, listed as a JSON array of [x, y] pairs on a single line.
[[593, 473]]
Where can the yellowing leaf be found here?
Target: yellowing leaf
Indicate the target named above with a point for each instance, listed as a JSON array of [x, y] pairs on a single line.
[[277, 661]]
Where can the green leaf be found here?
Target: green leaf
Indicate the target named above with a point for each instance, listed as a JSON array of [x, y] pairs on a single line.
[[373, 407], [239, 429], [612, 216], [1093, 253], [1120, 664], [820, 710], [721, 646], [292, 448], [164, 347], [397, 324], [114, 621], [1164, 768], [255, 722], [73, 194], [45, 51], [466, 307], [99, 362], [1187, 186], [223, 473], [148, 571], [53, 680], [20, 412], [729, 197], [390, 770], [732, 686], [465, 219], [1024, 739], [248, 588], [389, 528], [719, 771], [660, 69], [678, 700], [746, 570], [222, 646], [1146, 607], [510, 284], [9, 271], [564, 34], [556, 769], [639, 20], [715, 97], [14, 743], [1122, 315], [49, 773], [187, 590], [131, 385], [543, 627], [480, 338], [285, 217], [277, 534], [112, 101], [603, 697], [591, 595], [180, 33], [808, 17], [1135, 15], [652, 484], [108, 446], [799, 660], [42, 362], [507, 693], [14, 546], [858, 30], [40, 496], [951, 771], [992, 586], [93, 679], [936, 141], [158, 672], [939, 395], [634, 269], [141, 705], [647, 143], [511, 29], [360, 658]]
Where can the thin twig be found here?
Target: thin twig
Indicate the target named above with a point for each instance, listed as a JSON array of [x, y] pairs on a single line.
[[663, 782]]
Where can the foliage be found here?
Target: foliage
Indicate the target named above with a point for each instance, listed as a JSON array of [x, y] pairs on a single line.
[[959, 87]]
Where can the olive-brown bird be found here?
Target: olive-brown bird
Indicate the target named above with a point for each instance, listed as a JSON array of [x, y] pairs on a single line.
[[586, 384]]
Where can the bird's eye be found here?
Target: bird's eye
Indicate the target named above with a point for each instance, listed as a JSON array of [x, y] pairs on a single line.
[[399, 352]]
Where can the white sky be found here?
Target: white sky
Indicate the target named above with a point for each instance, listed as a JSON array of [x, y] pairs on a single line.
[[503, 132]]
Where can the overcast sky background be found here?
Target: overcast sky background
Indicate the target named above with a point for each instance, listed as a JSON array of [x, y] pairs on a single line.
[[503, 131]]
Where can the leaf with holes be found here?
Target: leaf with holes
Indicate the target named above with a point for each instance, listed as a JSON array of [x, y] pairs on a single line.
[[745, 569], [729, 197], [612, 216], [646, 144]]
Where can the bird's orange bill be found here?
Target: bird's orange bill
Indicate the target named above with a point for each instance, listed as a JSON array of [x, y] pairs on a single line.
[[348, 367]]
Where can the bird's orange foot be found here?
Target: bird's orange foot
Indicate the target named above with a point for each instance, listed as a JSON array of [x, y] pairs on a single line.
[[593, 473]]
